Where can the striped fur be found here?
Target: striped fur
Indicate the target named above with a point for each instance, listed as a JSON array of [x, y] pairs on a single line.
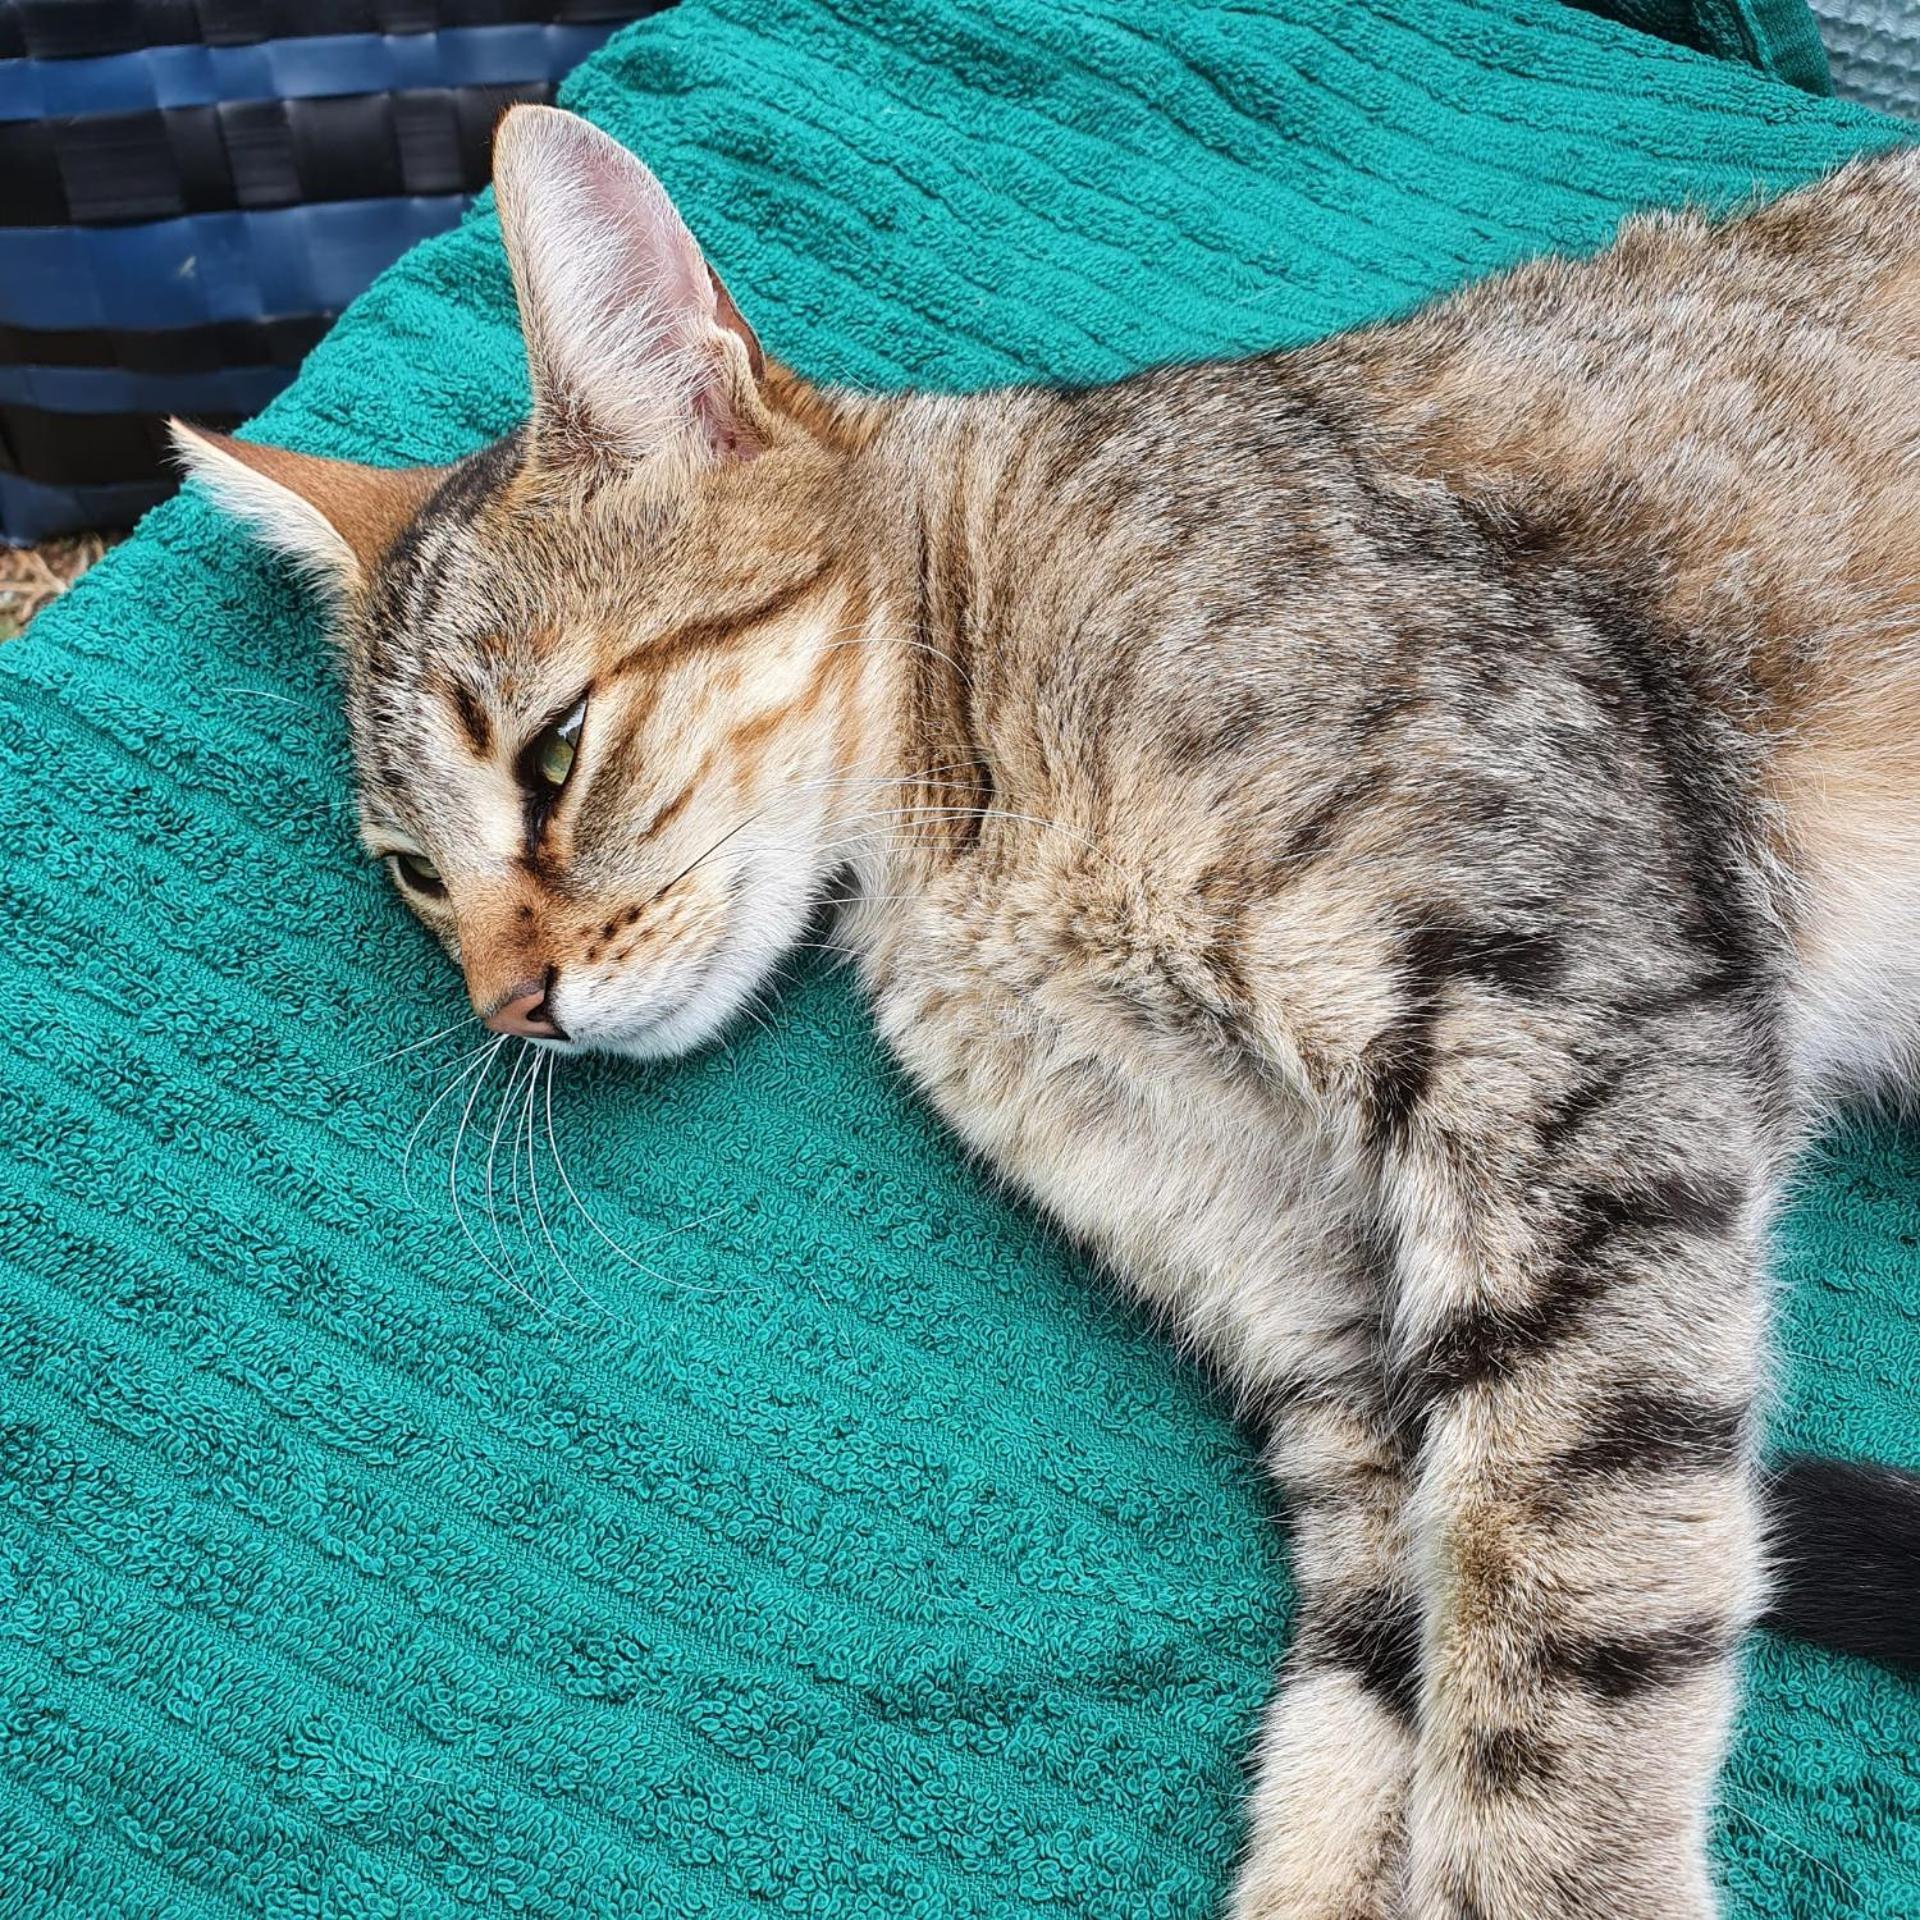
[[1389, 845]]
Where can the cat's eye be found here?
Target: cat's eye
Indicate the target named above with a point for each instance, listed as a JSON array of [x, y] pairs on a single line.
[[548, 760], [419, 873]]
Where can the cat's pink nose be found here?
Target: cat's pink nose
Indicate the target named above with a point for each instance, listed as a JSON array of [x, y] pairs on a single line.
[[526, 1011]]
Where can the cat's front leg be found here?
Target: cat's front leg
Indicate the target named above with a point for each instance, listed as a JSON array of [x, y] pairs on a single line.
[[1327, 1816], [1577, 1343]]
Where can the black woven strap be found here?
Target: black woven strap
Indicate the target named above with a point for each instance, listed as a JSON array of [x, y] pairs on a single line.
[[107, 168], [78, 29], [87, 449], [282, 342]]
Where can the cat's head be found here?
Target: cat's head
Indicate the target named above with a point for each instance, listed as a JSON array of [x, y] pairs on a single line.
[[608, 704]]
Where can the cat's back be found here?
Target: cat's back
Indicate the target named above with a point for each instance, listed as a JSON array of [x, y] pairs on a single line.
[[1723, 419], [1401, 564], [1727, 410]]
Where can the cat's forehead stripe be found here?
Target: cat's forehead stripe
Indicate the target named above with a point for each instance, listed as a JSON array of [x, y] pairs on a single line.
[[705, 636], [473, 717], [416, 575]]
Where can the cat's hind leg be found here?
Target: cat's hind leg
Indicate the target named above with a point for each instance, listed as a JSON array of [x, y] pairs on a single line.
[[1581, 1333], [1326, 1819]]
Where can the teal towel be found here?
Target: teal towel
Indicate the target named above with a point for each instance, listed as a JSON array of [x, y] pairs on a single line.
[[845, 1550], [1780, 37]]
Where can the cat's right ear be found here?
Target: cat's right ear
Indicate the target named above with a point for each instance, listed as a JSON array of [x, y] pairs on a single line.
[[635, 351], [333, 519]]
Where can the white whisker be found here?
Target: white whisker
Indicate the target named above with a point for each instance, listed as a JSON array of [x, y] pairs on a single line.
[[581, 1207], [413, 1046], [540, 1212], [453, 1174], [263, 693], [520, 1065], [457, 1078]]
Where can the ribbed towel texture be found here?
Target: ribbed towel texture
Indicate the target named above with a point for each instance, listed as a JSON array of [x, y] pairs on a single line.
[[853, 1554]]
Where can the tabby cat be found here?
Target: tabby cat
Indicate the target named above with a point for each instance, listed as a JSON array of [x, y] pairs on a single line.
[[1391, 845]]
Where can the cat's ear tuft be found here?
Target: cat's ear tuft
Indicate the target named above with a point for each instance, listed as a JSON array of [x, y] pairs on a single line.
[[332, 518], [633, 346]]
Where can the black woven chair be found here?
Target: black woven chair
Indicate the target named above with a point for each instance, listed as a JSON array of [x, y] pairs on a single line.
[[190, 190]]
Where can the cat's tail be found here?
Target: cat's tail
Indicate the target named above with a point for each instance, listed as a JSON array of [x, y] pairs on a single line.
[[1846, 1557]]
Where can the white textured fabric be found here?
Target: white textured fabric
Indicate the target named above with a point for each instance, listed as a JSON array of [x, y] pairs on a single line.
[[1873, 47]]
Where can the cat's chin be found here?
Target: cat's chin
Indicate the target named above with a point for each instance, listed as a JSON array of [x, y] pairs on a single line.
[[717, 995], [667, 1038]]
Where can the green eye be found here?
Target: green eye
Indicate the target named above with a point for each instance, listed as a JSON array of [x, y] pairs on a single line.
[[551, 752], [553, 757], [419, 873]]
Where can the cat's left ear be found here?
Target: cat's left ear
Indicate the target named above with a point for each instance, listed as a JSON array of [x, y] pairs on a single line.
[[633, 346], [333, 519]]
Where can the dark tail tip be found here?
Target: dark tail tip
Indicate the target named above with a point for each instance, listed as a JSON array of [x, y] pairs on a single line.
[[1846, 1554]]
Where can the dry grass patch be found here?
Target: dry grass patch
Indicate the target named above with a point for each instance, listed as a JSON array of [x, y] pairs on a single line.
[[35, 577]]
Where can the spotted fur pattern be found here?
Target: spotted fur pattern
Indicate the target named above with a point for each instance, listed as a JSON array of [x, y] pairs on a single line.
[[1388, 845]]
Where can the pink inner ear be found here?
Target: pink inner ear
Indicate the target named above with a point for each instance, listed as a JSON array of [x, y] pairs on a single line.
[[670, 278], [626, 325], [673, 277], [624, 321], [665, 269]]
